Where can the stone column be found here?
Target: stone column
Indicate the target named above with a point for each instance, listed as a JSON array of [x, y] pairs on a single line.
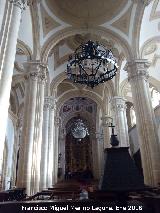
[[61, 157], [120, 120], [128, 109], [100, 153], [29, 155], [95, 165], [37, 137], [51, 143], [55, 168], [106, 121], [146, 123], [44, 147], [2, 9], [47, 152], [8, 43]]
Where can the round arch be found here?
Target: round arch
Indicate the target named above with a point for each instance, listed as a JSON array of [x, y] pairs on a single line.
[[150, 42], [70, 31], [76, 93], [86, 115], [25, 48], [62, 76]]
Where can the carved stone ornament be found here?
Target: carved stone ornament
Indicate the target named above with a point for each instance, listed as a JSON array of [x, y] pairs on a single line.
[[150, 48], [49, 103], [144, 2], [137, 69], [118, 103], [57, 121], [20, 3], [34, 75], [106, 120], [119, 107], [36, 71]]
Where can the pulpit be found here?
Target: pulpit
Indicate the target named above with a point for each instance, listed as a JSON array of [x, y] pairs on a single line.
[[120, 172]]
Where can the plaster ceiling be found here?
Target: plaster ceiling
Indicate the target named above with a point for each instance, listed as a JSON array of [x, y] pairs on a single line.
[[86, 12]]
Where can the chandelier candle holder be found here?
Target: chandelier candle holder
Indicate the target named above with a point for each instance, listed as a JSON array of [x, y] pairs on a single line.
[[91, 64], [79, 130]]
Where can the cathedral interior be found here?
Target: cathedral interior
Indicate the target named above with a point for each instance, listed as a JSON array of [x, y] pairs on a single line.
[[39, 104]]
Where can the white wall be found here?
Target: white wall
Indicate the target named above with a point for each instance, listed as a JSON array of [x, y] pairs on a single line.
[[149, 28], [25, 31]]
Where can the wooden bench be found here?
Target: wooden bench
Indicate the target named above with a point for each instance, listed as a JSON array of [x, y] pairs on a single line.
[[64, 195], [4, 196], [54, 195], [12, 194], [44, 195]]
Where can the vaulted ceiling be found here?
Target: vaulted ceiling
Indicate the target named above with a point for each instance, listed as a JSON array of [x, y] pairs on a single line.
[[86, 13], [116, 15], [55, 28]]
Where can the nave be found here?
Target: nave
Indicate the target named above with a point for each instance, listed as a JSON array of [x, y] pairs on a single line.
[[79, 102]]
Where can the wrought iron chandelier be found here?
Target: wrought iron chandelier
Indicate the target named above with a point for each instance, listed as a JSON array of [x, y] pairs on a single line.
[[79, 130], [91, 64]]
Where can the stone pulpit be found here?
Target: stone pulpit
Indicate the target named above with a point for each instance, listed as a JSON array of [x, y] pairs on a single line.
[[120, 172]]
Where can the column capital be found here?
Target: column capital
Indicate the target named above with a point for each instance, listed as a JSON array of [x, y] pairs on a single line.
[[137, 69], [49, 103], [57, 121], [43, 74], [143, 2], [62, 135], [20, 3], [118, 103], [36, 70], [99, 136], [106, 120]]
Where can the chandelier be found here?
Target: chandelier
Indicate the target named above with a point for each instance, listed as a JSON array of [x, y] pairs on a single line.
[[79, 130], [91, 64]]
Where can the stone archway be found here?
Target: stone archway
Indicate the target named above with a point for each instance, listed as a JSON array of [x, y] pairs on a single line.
[[86, 108], [78, 153]]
